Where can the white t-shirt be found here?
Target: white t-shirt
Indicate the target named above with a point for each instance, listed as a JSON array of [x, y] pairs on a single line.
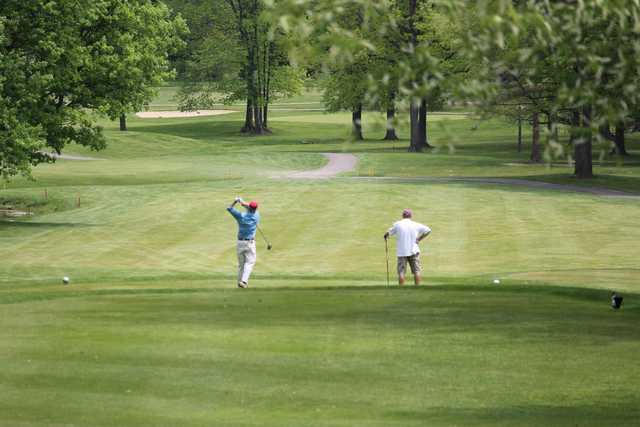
[[407, 231]]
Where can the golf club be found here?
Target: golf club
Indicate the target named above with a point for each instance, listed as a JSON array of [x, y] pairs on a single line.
[[265, 238], [386, 250]]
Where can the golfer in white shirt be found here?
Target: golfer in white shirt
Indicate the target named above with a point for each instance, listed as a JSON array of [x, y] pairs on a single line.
[[408, 234]]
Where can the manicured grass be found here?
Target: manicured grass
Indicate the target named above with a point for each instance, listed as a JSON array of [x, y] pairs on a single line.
[[452, 355], [318, 228], [151, 330]]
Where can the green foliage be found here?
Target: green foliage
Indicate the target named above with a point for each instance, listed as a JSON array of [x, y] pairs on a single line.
[[63, 61], [237, 55], [561, 57], [345, 87]]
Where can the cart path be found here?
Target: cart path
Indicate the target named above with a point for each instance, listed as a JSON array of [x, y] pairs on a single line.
[[338, 163], [346, 162]]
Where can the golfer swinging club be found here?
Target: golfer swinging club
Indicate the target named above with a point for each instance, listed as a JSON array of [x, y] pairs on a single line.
[[247, 223], [409, 234]]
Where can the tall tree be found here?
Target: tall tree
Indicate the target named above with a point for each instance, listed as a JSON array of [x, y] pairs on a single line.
[[63, 62], [239, 55], [344, 88]]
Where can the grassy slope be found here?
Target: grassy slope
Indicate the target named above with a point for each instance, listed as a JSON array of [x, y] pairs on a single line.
[[150, 331]]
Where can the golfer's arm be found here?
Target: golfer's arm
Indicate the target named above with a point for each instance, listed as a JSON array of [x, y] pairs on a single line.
[[390, 232], [233, 212], [423, 235]]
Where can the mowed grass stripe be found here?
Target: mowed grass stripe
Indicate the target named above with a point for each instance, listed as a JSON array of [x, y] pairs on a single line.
[[230, 354], [324, 228]]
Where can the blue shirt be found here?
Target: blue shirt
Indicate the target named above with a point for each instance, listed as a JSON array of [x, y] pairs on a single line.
[[247, 223]]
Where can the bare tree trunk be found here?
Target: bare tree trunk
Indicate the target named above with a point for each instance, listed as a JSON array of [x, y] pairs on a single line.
[[414, 120], [356, 120], [391, 130], [582, 144], [248, 118], [257, 117], [519, 132], [618, 139], [417, 141], [265, 116], [552, 127], [423, 124], [536, 152], [123, 122]]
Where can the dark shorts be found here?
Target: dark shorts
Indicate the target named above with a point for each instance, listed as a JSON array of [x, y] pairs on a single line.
[[413, 261]]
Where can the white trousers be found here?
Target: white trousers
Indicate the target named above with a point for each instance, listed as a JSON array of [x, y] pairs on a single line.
[[246, 259]]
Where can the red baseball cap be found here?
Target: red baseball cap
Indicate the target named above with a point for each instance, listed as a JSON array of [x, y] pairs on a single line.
[[253, 204]]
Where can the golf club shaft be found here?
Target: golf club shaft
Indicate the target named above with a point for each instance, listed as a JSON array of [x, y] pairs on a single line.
[[386, 250], [263, 236]]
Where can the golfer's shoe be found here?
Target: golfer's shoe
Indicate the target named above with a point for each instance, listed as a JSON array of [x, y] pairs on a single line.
[[242, 285]]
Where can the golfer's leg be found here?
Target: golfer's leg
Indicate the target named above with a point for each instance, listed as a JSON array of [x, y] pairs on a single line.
[[416, 268], [241, 261], [401, 266], [250, 261]]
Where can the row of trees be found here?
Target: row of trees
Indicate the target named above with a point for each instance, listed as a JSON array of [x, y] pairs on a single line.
[[573, 63], [376, 55], [64, 62]]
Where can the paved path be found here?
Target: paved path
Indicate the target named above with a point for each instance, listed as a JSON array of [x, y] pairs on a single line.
[[338, 163]]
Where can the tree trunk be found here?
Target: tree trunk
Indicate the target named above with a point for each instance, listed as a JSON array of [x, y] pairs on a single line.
[[391, 130], [248, 118], [415, 145], [536, 152], [423, 124], [552, 127], [123, 122], [582, 146], [618, 139], [257, 116], [519, 133], [417, 141], [356, 120], [265, 117]]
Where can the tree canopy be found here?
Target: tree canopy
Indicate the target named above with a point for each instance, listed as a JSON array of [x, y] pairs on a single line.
[[64, 62]]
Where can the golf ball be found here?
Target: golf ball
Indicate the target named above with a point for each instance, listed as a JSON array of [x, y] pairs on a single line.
[[496, 281], [65, 280]]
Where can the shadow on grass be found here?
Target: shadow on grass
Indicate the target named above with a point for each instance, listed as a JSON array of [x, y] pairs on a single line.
[[4, 223], [224, 132], [619, 413], [521, 313], [614, 187]]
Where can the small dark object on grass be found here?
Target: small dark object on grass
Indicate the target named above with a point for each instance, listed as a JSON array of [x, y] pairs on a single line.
[[616, 301]]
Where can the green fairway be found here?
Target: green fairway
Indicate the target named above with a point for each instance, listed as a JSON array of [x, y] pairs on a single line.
[[348, 356], [152, 331]]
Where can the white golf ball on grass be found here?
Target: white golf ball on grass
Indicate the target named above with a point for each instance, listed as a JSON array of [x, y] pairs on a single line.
[[496, 281], [65, 280]]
